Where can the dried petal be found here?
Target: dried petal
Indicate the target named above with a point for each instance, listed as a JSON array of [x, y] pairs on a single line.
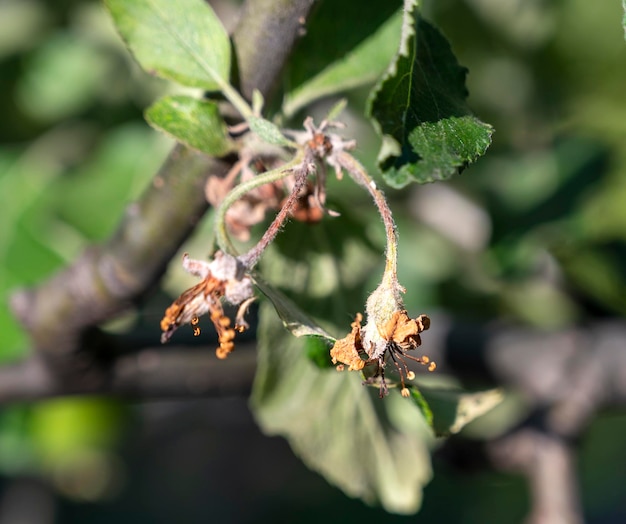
[[348, 350]]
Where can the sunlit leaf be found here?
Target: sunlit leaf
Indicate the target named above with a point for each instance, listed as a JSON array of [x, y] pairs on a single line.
[[362, 66], [195, 123], [335, 30], [339, 427], [183, 41], [419, 108]]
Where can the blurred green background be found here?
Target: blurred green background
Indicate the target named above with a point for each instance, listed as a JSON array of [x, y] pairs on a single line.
[[534, 233]]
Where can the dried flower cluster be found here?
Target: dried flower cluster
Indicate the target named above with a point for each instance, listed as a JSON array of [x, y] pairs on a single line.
[[259, 182]]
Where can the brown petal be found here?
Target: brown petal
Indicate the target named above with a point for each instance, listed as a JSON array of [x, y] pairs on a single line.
[[348, 349]]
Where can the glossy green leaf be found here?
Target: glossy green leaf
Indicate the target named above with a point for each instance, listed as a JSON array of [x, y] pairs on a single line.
[[195, 123], [372, 449], [420, 109], [362, 66], [183, 41]]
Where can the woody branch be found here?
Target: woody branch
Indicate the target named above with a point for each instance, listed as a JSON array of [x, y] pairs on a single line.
[[107, 279]]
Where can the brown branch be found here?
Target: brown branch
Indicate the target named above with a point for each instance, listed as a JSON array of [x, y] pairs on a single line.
[[265, 35], [107, 279], [548, 462], [566, 378], [148, 374]]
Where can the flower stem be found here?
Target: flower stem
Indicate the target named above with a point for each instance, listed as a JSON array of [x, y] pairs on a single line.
[[302, 172], [359, 174], [221, 234], [238, 102]]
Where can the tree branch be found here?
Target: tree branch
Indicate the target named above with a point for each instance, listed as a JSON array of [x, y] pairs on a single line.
[[148, 374], [106, 279], [565, 377], [265, 35]]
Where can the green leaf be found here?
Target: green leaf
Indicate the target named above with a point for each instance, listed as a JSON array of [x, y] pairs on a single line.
[[318, 351], [420, 402], [362, 66], [333, 31], [372, 449], [375, 449], [453, 409], [294, 319], [65, 76], [624, 18], [195, 123], [268, 131], [420, 109], [183, 41]]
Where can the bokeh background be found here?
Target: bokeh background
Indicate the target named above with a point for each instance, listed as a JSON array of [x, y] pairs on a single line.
[[533, 234]]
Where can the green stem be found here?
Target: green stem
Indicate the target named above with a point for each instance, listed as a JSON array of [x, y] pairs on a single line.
[[360, 175], [235, 99], [221, 233]]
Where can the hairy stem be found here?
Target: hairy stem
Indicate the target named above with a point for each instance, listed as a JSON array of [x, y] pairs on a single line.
[[359, 174]]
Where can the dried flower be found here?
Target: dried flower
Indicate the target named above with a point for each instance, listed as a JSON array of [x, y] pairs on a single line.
[[388, 335], [395, 337], [223, 277]]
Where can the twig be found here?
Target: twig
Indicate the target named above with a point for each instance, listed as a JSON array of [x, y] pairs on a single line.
[[265, 35], [148, 374], [107, 279]]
